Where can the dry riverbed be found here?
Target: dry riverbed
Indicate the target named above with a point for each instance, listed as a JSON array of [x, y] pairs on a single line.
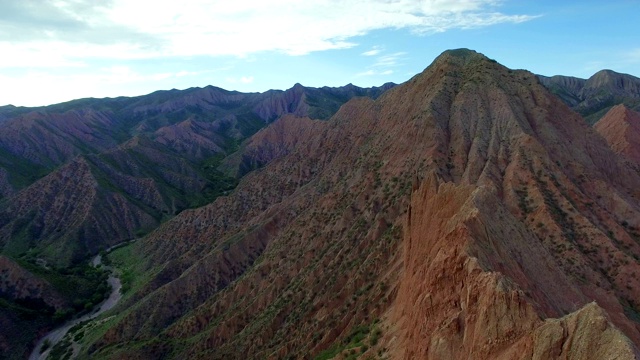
[[61, 333]]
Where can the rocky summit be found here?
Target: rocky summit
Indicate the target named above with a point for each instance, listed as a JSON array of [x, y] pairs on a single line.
[[468, 213]]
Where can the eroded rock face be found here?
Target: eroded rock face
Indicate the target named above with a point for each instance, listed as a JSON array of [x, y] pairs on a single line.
[[468, 209], [620, 127], [453, 303], [584, 334], [271, 143]]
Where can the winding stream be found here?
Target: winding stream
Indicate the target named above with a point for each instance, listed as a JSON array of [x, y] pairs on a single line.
[[55, 335]]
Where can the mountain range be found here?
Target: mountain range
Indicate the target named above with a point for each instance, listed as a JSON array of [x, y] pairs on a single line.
[[593, 97], [471, 212], [79, 177]]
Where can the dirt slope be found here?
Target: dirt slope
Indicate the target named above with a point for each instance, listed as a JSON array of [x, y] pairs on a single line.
[[620, 127]]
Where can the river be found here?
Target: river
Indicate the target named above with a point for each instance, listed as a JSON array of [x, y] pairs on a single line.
[[55, 335]]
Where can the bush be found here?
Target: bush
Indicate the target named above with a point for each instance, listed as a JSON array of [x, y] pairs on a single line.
[[45, 345]]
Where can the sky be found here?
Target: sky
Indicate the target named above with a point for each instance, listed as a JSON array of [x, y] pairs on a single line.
[[53, 51]]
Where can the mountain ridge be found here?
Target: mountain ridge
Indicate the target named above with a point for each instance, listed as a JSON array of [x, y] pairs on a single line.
[[468, 212], [80, 177], [335, 214], [159, 159], [593, 97]]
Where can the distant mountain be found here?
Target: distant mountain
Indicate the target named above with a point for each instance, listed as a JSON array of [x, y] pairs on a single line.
[[593, 97], [34, 141], [467, 213], [119, 167]]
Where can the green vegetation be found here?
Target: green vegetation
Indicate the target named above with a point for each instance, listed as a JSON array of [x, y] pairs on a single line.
[[83, 285], [357, 339], [129, 266], [524, 201], [22, 171], [62, 350], [219, 184], [27, 309], [45, 345]]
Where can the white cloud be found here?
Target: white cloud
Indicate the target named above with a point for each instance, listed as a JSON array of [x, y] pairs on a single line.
[[383, 64], [39, 87], [367, 73], [632, 56], [246, 79], [374, 51], [123, 29], [186, 73], [389, 60], [372, 72]]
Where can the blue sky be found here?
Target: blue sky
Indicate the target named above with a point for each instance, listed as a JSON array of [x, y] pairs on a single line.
[[57, 50]]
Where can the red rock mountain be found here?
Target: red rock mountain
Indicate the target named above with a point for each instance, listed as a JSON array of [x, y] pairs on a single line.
[[78, 177], [620, 127], [85, 175], [467, 213]]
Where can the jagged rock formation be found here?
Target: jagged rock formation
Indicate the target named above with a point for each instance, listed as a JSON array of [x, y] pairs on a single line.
[[593, 97], [620, 127], [472, 278], [465, 213]]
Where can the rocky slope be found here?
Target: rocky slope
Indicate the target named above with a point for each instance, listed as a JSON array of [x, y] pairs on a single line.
[[36, 140], [25, 302], [593, 97], [81, 176], [620, 127], [64, 215], [465, 213], [16, 283], [136, 161]]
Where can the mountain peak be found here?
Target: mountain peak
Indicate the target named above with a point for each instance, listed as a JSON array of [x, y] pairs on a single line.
[[464, 59], [455, 69], [614, 83], [461, 52], [463, 55]]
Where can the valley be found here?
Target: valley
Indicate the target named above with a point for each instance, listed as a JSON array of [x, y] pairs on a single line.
[[60, 334]]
